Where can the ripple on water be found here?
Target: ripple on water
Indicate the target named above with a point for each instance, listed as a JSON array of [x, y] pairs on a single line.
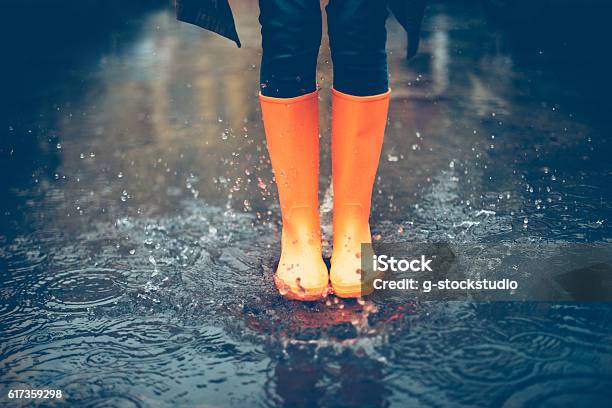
[[80, 289], [39, 337], [107, 355], [490, 364], [115, 401], [540, 346], [569, 391], [22, 262], [20, 324], [101, 390]]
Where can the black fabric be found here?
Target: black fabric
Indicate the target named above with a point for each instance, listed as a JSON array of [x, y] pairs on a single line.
[[291, 37], [216, 15], [409, 13], [213, 15], [357, 39]]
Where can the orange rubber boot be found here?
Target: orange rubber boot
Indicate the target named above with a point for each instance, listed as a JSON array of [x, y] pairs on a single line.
[[292, 134], [358, 128]]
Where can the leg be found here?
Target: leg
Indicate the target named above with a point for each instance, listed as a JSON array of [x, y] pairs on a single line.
[[291, 32], [360, 101], [291, 37], [357, 38]]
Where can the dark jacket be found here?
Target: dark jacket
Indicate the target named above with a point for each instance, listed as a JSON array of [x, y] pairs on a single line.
[[216, 15]]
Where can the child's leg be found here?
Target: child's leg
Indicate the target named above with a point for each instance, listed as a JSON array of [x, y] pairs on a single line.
[[291, 31], [360, 103]]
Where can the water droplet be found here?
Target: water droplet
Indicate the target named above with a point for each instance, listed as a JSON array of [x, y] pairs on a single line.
[[392, 158], [283, 290]]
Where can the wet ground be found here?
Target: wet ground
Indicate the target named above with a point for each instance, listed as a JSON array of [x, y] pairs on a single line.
[[140, 225]]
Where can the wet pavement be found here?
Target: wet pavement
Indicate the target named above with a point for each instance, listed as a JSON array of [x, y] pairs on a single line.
[[140, 225]]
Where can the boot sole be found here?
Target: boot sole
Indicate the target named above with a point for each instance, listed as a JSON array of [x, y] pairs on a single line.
[[350, 291], [354, 291], [295, 293]]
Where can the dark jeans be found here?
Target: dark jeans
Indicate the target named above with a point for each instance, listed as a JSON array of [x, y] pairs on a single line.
[[291, 37]]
